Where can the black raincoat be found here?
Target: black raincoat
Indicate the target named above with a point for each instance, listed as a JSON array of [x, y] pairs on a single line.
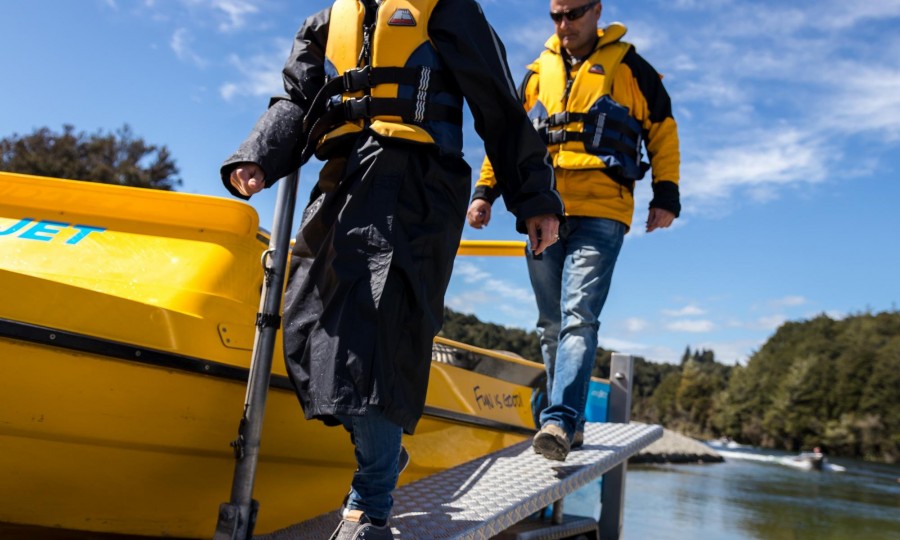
[[378, 238]]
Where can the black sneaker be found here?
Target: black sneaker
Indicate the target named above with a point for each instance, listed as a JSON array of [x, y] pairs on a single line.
[[356, 526], [403, 461]]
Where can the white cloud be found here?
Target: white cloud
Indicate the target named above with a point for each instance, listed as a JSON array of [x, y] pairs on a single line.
[[687, 311], [788, 301], [469, 272], [840, 14], [634, 324], [507, 290], [652, 353], [622, 345], [465, 302], [748, 64], [485, 289], [771, 322], [869, 101], [181, 44], [235, 12], [778, 158], [697, 326], [730, 352], [259, 75]]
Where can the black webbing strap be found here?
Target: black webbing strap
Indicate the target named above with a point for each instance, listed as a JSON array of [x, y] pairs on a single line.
[[355, 80], [268, 320], [323, 116], [561, 136], [368, 107], [565, 117]]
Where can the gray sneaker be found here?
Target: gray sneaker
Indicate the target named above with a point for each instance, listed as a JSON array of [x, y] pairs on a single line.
[[578, 441], [551, 442], [356, 526]]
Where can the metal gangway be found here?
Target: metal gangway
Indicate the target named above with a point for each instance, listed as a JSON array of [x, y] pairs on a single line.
[[494, 496]]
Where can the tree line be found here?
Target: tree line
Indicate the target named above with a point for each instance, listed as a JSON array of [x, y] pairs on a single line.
[[119, 157], [821, 382]]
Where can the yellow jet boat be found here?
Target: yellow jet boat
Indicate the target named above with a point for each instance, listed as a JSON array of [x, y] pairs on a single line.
[[127, 323]]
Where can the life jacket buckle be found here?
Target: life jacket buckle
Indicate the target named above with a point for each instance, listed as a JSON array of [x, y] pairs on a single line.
[[357, 108], [558, 119], [556, 136], [358, 79]]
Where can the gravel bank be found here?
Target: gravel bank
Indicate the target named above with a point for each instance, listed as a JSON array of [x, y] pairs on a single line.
[[676, 448]]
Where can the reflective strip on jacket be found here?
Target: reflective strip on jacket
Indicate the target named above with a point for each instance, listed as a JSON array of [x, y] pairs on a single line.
[[586, 94], [400, 39], [585, 187]]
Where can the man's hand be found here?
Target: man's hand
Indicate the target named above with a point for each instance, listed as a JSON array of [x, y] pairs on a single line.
[[543, 232], [248, 179], [479, 213], [659, 219]]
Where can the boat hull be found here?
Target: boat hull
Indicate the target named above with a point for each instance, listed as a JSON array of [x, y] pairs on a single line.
[[94, 443], [126, 332]]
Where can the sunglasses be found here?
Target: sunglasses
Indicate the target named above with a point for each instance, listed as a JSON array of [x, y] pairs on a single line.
[[572, 14]]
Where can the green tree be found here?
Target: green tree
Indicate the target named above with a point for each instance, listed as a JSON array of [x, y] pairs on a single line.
[[665, 400], [114, 158], [821, 382], [794, 419], [470, 330]]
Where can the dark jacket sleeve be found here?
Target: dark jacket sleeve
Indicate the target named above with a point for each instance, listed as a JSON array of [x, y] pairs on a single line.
[[277, 138], [474, 54], [662, 139]]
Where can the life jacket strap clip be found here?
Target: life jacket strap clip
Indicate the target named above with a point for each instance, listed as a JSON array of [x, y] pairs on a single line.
[[562, 118], [358, 79], [559, 136], [357, 108]]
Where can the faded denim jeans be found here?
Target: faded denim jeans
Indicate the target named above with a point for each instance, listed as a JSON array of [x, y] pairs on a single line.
[[571, 281], [377, 442]]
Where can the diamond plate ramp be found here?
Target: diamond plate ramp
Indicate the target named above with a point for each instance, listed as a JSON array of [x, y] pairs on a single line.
[[481, 498]]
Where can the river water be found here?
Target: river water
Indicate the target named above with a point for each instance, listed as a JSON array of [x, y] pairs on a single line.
[[759, 495]]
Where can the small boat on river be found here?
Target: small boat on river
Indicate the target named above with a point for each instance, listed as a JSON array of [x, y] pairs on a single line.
[[814, 460], [126, 330]]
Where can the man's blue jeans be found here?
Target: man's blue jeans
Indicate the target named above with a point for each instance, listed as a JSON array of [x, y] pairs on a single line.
[[377, 441], [571, 281]]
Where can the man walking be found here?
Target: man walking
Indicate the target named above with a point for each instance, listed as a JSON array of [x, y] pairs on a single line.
[[597, 104], [376, 89]]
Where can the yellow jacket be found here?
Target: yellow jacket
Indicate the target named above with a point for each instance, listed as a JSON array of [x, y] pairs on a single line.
[[581, 177]]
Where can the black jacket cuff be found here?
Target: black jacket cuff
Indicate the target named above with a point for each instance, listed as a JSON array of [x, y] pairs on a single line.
[[489, 194], [665, 196]]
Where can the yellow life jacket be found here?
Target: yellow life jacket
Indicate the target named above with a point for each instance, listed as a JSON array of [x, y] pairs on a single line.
[[385, 77], [584, 128]]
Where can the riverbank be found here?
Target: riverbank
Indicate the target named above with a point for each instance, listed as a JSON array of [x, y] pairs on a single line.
[[676, 448]]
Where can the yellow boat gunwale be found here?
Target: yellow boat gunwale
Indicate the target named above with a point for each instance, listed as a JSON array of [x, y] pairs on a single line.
[[182, 340], [54, 196]]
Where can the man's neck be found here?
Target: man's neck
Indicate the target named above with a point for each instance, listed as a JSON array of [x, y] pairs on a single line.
[[584, 53]]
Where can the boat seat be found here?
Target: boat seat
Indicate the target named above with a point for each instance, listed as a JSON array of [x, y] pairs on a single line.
[[483, 497]]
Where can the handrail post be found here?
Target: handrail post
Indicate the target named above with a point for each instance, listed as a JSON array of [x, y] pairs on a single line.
[[612, 496], [238, 517]]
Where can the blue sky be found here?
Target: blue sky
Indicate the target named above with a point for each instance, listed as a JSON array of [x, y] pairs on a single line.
[[789, 117]]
